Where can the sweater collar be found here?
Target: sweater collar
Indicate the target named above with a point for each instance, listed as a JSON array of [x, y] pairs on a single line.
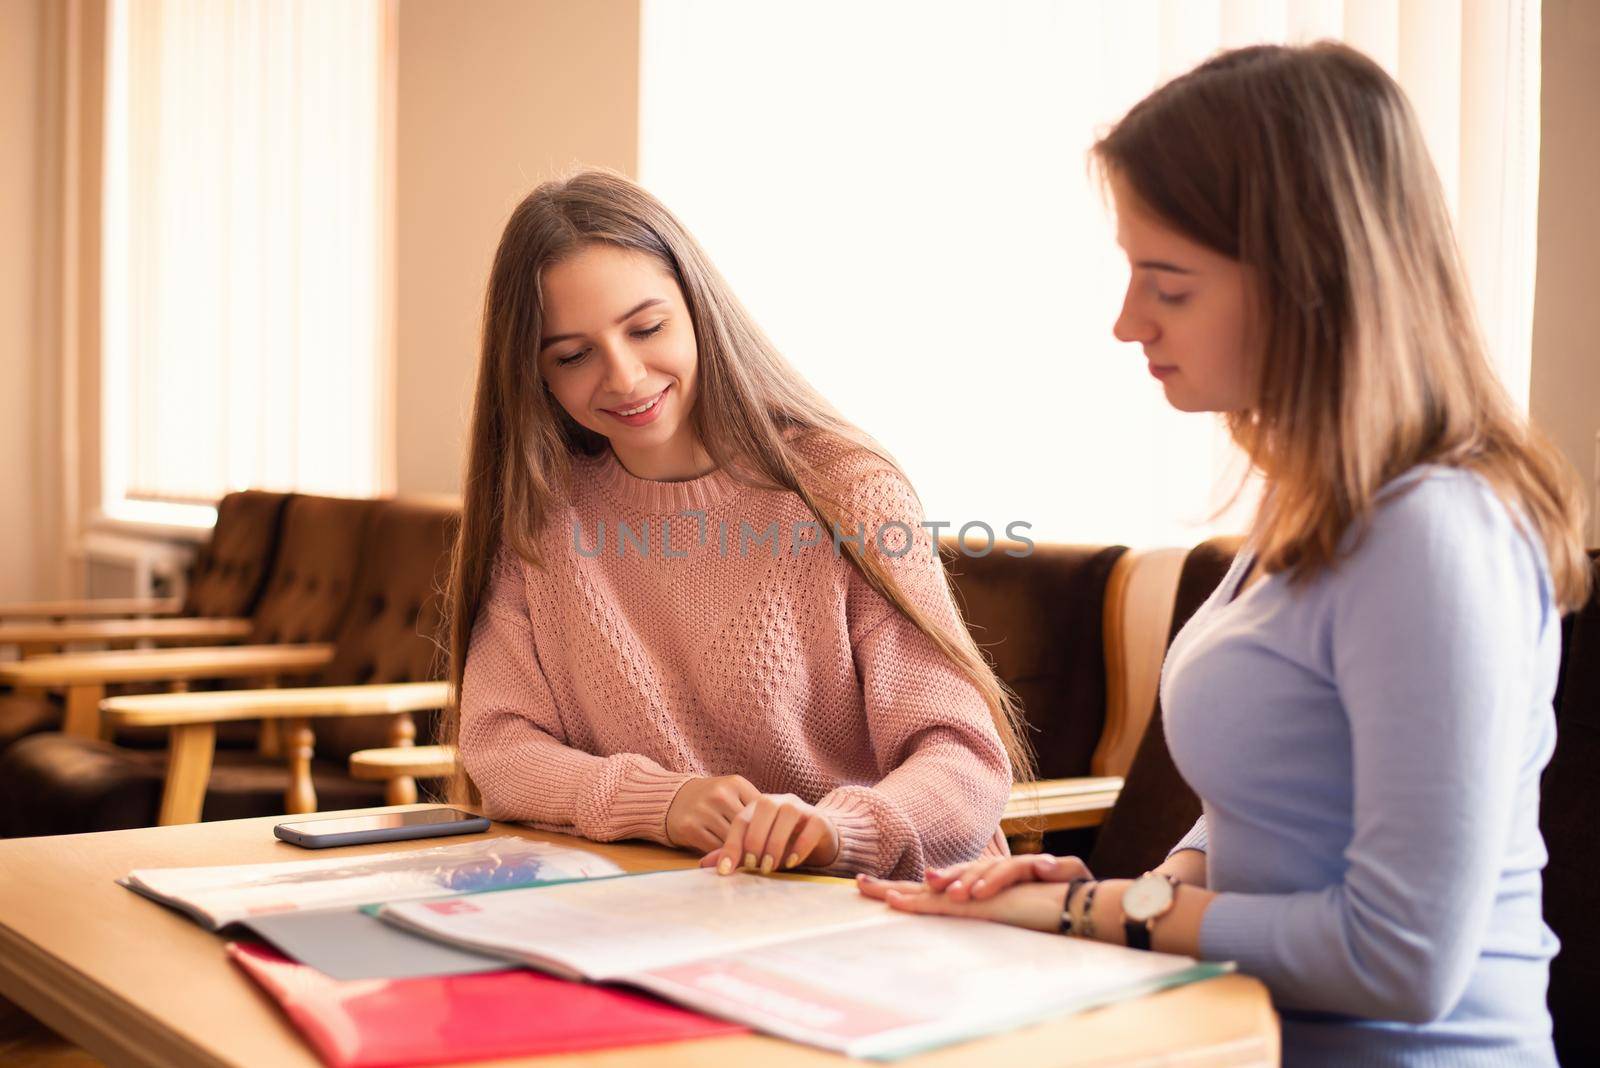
[[648, 495]]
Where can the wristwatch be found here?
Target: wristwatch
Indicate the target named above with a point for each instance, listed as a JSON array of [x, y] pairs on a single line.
[[1146, 900]]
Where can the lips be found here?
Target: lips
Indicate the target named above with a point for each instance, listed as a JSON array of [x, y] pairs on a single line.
[[635, 406]]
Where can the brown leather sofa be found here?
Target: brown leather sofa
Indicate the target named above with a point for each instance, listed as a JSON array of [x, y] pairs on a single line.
[[1040, 619], [375, 576], [225, 582]]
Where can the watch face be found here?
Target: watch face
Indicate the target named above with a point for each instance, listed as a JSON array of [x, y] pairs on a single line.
[[1149, 896]]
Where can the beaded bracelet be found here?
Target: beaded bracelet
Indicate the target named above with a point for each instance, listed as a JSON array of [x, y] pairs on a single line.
[[1066, 906], [1087, 923]]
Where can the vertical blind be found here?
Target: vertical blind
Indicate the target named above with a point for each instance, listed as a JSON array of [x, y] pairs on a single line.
[[243, 248], [898, 191]]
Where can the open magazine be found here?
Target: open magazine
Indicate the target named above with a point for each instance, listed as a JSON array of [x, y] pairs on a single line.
[[218, 896], [806, 959]]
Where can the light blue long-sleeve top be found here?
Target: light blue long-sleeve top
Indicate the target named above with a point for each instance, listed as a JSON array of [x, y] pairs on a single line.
[[1367, 749]]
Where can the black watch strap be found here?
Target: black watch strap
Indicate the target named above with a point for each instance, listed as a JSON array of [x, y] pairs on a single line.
[[1136, 934]]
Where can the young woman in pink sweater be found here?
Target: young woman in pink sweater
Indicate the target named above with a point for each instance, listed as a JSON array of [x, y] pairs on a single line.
[[689, 602]]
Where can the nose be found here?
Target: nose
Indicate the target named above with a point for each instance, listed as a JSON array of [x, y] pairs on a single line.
[[1130, 325], [624, 371]]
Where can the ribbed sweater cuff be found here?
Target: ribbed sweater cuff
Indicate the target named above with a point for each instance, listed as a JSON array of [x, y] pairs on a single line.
[[639, 807], [859, 841]]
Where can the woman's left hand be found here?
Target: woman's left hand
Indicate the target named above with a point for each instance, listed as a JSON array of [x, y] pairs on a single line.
[[1032, 905], [776, 831]]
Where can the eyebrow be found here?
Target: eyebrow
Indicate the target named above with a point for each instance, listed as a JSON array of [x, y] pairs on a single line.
[[1162, 265], [624, 317]]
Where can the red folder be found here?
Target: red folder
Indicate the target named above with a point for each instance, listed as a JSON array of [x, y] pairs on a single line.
[[369, 1023]]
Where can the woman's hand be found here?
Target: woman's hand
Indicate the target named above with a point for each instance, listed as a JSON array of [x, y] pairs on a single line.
[[776, 831], [987, 876], [703, 810], [1034, 905]]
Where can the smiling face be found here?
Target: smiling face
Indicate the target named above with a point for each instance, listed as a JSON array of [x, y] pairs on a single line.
[[618, 353], [1188, 308]]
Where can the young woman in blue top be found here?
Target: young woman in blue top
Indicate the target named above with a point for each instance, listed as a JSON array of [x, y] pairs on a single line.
[[1364, 704]]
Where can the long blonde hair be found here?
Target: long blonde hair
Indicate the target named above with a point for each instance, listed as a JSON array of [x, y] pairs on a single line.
[[1307, 165], [752, 411]]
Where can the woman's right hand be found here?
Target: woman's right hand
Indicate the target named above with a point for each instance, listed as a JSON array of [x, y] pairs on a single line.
[[703, 809], [987, 876]]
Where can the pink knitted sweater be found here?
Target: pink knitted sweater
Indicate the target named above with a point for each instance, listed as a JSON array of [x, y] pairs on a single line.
[[596, 686]]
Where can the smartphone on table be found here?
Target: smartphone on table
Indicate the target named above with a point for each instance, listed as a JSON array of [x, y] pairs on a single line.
[[379, 827]]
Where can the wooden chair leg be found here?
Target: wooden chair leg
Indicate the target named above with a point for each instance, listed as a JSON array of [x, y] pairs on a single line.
[[402, 789], [302, 793], [189, 751], [83, 710]]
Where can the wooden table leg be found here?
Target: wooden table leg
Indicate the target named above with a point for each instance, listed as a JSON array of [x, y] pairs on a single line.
[[83, 710], [269, 742], [189, 751]]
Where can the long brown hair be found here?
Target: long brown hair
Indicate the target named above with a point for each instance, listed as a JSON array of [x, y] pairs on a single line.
[[751, 414], [1307, 165]]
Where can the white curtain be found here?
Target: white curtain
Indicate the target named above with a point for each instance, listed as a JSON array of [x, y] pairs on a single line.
[[245, 202], [898, 191]]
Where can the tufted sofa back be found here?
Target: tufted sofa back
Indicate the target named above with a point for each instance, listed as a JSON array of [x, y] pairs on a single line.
[[231, 569], [1039, 619], [390, 631], [321, 544]]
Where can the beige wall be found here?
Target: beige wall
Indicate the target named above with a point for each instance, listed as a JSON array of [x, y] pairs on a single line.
[[492, 97], [22, 29], [1565, 400]]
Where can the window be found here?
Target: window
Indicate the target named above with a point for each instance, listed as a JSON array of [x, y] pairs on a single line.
[[898, 191], [246, 206]]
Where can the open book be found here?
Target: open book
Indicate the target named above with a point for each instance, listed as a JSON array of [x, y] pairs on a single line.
[[217, 896], [804, 958]]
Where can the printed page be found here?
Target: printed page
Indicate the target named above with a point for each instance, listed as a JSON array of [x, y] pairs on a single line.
[[604, 929], [896, 988], [218, 896]]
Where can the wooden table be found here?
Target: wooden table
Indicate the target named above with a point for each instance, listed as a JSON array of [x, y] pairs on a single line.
[[36, 638], [84, 675], [93, 608], [135, 983]]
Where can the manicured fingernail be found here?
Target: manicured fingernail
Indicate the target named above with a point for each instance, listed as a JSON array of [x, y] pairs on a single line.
[[725, 866], [791, 860], [977, 886], [955, 885], [767, 863], [749, 860]]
